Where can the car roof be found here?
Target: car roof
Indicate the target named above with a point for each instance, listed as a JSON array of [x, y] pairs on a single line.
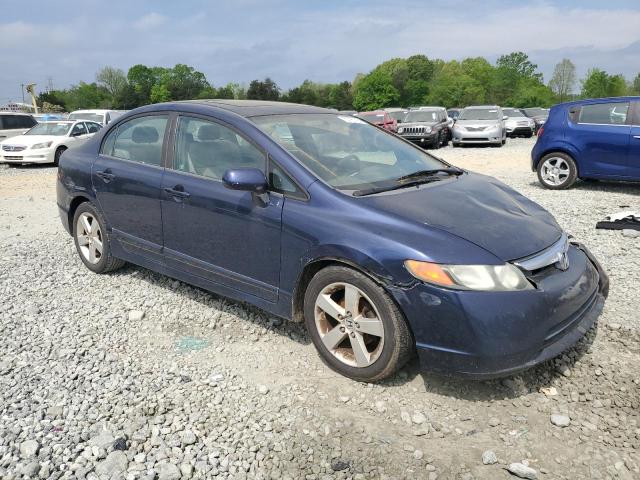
[[586, 101], [488, 107], [15, 113], [255, 108]]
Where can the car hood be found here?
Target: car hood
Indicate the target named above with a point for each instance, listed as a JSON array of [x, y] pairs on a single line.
[[28, 140], [478, 123], [480, 209], [417, 124]]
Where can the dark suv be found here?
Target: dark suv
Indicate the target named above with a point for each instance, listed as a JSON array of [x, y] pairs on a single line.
[[426, 126]]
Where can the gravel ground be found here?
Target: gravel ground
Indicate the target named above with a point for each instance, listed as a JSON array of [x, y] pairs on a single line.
[[135, 375]]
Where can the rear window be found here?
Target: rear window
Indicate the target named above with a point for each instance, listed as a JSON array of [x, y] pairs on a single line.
[[12, 122], [604, 113]]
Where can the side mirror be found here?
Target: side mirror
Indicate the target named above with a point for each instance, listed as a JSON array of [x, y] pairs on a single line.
[[246, 180]]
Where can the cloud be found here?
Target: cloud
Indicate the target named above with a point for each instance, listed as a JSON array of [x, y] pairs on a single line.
[[150, 21], [290, 41]]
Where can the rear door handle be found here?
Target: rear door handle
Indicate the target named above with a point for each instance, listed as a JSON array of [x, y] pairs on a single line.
[[636, 136], [177, 192], [106, 175]]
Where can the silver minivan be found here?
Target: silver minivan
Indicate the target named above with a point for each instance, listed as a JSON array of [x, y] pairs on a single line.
[[483, 124]]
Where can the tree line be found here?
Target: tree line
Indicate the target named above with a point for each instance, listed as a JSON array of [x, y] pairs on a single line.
[[417, 80]]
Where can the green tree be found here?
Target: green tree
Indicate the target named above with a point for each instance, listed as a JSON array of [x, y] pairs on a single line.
[[519, 63], [159, 93], [142, 79], [599, 83], [341, 96], [617, 86], [635, 85], [265, 89], [564, 79], [375, 91], [113, 80], [184, 82]]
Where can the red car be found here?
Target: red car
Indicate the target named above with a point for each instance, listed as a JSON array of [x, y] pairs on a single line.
[[380, 119]]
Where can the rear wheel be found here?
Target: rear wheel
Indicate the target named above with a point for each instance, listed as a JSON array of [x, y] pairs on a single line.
[[356, 327], [557, 171], [92, 241]]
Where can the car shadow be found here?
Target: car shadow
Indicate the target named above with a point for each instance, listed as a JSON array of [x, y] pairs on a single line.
[[515, 386], [244, 311], [28, 166], [512, 387]]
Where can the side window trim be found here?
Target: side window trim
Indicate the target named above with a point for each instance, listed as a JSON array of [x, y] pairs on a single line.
[[173, 144]]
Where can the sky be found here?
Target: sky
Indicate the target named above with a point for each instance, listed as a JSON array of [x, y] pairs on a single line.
[[289, 40]]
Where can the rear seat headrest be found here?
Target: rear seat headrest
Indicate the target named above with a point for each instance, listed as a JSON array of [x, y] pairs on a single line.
[[209, 132], [144, 134]]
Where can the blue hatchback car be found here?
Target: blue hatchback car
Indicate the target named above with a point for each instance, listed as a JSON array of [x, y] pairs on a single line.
[[589, 139], [380, 248]]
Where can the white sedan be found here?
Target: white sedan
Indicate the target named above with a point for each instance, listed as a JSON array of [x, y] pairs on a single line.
[[45, 142]]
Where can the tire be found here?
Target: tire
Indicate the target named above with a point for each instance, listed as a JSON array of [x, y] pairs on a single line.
[[382, 352], [56, 156], [528, 135], [455, 144], [438, 141], [560, 179], [95, 259]]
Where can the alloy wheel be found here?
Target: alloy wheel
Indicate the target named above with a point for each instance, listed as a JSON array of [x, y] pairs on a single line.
[[349, 324], [555, 171], [89, 236]]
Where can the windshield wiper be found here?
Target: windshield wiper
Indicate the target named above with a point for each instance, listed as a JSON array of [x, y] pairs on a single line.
[[431, 173], [398, 186]]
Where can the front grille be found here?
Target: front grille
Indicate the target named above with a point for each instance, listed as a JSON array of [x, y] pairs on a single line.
[[412, 130], [13, 159], [475, 139], [13, 148], [523, 124], [476, 129]]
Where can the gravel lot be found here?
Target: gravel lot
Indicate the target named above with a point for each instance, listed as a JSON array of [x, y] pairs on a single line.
[[135, 375]]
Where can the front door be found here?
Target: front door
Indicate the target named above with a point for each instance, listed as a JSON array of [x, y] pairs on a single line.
[[601, 131], [228, 237], [127, 176]]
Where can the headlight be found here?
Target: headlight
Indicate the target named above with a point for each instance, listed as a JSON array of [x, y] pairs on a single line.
[[400, 130], [494, 278], [41, 145], [427, 129]]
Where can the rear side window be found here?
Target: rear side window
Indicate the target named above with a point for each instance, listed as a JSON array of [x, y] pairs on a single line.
[[604, 113], [93, 127], [78, 129], [139, 140], [12, 122]]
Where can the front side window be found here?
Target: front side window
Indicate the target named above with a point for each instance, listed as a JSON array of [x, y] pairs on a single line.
[[346, 152], [139, 140], [604, 113], [209, 149], [78, 129]]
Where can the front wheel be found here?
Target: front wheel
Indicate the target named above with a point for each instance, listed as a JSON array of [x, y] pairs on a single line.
[[92, 241], [557, 171], [56, 156], [354, 324]]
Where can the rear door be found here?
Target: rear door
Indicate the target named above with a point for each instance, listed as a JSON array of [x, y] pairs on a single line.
[[634, 143], [126, 176], [601, 134]]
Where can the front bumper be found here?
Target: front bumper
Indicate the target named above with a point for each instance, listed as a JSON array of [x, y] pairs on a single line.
[[426, 139], [520, 130], [28, 156], [485, 335], [471, 137]]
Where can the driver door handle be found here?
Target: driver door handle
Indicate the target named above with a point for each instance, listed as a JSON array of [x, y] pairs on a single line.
[[177, 192]]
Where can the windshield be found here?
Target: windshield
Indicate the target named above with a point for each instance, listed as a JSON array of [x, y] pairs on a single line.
[[94, 117], [51, 128], [512, 112], [534, 112], [422, 116], [346, 152], [479, 114], [372, 117]]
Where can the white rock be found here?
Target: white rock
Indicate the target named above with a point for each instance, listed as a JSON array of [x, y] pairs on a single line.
[[418, 418], [136, 315], [522, 471], [29, 448], [114, 465], [630, 233], [188, 437], [560, 420], [263, 389], [489, 458], [167, 471]]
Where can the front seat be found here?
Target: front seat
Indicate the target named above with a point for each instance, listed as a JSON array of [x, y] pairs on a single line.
[[145, 147], [210, 155]]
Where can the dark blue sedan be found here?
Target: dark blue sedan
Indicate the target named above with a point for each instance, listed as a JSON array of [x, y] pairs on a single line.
[[380, 248]]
